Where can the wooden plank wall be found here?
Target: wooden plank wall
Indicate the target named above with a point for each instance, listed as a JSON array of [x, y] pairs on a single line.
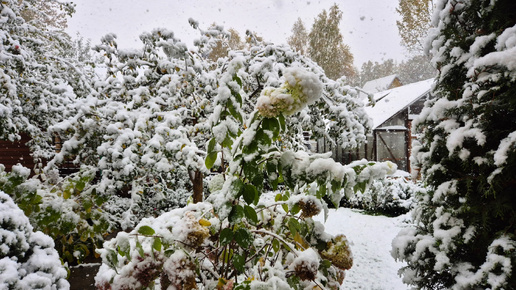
[[12, 153]]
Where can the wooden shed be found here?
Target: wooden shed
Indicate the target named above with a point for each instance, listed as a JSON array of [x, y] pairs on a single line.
[[392, 136]]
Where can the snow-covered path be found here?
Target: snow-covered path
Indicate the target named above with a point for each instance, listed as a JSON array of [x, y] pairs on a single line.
[[370, 238]]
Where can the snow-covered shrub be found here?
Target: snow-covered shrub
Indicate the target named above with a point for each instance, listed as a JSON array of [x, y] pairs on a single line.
[[464, 232], [28, 259], [390, 196], [67, 209], [241, 238]]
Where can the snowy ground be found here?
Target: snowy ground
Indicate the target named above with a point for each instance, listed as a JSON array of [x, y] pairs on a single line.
[[370, 238]]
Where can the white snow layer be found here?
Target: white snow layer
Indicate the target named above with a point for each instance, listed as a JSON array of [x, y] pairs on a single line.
[[370, 240]]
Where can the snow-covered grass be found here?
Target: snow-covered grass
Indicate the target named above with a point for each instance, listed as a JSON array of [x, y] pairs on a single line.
[[370, 238]]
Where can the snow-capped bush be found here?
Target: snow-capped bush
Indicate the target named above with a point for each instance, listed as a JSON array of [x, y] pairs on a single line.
[[239, 238], [28, 259], [390, 196], [67, 209]]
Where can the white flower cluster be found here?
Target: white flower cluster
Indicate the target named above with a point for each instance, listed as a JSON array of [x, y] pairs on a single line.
[[301, 88]]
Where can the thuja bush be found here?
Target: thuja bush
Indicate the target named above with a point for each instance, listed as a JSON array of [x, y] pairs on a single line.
[[241, 237], [67, 209], [28, 259]]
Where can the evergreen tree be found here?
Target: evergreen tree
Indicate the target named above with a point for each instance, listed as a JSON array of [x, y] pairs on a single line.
[[299, 38], [465, 226], [28, 259], [326, 46]]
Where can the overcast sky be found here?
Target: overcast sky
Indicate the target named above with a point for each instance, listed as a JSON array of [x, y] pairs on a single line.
[[367, 26]]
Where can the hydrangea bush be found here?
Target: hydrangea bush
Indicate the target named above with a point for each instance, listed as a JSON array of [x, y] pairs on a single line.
[[242, 237], [28, 259]]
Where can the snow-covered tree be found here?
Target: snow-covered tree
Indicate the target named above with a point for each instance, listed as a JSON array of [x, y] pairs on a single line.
[[415, 69], [146, 126], [326, 46], [28, 259], [465, 225], [226, 42], [299, 38], [415, 22], [35, 76]]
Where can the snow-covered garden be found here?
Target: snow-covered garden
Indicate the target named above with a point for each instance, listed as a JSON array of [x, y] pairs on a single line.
[[197, 168]]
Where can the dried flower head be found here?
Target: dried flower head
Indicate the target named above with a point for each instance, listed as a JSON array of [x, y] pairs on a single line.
[[306, 265], [197, 233], [309, 206], [179, 272], [339, 253]]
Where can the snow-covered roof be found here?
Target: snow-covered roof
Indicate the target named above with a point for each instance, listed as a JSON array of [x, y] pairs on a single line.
[[380, 84], [394, 100]]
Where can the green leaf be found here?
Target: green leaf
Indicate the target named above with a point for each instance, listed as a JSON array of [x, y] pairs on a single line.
[[361, 186], [275, 245], [124, 248], [79, 186], [243, 238], [226, 236], [211, 145], [156, 245], [250, 193], [293, 225], [37, 199], [234, 112], [282, 121], [295, 209], [140, 249], [112, 258], [251, 215], [239, 262], [210, 159], [237, 79], [273, 125], [146, 230], [236, 214], [238, 186], [278, 197], [321, 191], [227, 143]]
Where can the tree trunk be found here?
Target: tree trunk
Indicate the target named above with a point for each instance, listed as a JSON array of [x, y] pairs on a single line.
[[196, 179]]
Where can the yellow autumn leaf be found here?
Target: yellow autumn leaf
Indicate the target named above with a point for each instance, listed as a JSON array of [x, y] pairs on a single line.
[[204, 222], [300, 241]]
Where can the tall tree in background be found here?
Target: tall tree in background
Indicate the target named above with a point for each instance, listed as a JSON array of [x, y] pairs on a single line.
[[47, 14], [415, 23], [299, 38], [417, 68], [465, 229], [370, 71], [326, 46], [225, 43]]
